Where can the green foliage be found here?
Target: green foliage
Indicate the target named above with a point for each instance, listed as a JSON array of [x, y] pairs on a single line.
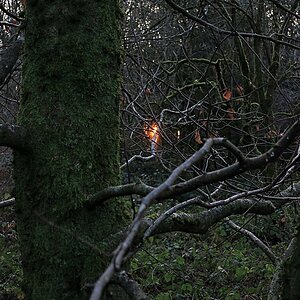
[[163, 296], [10, 261], [177, 266]]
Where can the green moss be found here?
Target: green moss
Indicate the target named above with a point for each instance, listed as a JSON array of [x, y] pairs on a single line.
[[10, 270], [70, 106]]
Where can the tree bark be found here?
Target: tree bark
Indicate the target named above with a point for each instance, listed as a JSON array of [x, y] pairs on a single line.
[[70, 107], [291, 272]]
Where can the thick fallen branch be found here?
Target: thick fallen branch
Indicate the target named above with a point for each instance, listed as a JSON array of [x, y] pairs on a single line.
[[233, 203], [216, 211], [14, 137], [170, 212], [201, 222]]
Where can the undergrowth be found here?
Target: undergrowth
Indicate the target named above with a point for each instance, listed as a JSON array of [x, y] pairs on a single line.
[[221, 265], [10, 262]]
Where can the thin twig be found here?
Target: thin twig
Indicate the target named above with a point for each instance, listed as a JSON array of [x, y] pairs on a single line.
[[8, 202], [254, 239]]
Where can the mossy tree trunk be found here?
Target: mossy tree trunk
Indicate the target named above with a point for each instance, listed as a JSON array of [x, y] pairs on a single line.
[[291, 272], [70, 107]]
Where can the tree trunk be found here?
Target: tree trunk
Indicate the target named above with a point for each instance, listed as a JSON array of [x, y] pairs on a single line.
[[291, 273], [70, 107]]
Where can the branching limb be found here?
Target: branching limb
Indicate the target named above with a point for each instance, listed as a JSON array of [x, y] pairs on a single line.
[[169, 212], [117, 191], [250, 164], [125, 245], [212, 216], [14, 137], [243, 165], [259, 192], [200, 223], [224, 31]]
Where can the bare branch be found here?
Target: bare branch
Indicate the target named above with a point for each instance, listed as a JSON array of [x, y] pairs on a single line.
[[117, 191], [138, 157], [169, 212], [101, 283], [8, 24], [235, 151], [10, 14], [8, 202], [200, 223], [223, 31], [244, 164], [285, 8], [254, 239], [124, 246]]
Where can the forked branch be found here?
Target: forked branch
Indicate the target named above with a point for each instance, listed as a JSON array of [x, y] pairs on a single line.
[[242, 165], [168, 188]]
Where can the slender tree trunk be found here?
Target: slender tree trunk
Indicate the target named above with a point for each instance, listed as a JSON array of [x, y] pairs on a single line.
[[285, 283], [291, 272], [70, 107]]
